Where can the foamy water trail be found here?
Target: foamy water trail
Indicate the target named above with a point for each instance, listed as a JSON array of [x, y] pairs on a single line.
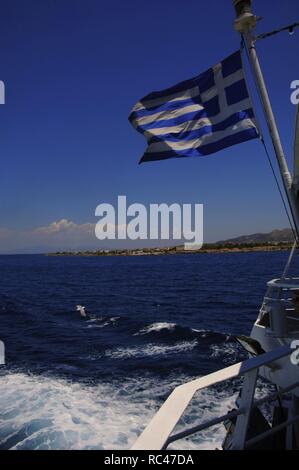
[[228, 352], [47, 413]]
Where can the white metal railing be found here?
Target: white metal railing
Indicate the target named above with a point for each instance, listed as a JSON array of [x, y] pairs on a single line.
[[158, 434]]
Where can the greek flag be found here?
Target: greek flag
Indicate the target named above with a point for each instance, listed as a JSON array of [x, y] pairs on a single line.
[[199, 116]]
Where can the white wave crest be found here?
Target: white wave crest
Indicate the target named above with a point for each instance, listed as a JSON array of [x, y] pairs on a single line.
[[96, 322], [151, 350], [156, 327]]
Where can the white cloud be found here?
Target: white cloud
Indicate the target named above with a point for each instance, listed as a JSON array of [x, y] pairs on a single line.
[[63, 235], [59, 235], [64, 226]]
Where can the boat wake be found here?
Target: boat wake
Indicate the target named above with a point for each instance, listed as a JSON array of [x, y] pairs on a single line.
[[40, 412]]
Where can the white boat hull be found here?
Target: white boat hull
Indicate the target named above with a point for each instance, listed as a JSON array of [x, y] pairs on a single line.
[[284, 373]]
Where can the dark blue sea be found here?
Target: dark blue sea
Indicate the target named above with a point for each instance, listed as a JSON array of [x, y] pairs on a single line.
[[153, 323]]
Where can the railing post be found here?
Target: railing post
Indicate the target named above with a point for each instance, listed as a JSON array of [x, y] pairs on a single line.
[[246, 401]]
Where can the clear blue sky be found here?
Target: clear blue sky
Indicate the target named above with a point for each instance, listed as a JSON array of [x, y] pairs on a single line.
[[73, 69]]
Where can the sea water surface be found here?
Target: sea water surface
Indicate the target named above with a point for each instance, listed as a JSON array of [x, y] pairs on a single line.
[[153, 323]]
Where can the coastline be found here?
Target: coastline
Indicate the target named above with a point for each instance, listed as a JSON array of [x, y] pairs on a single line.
[[207, 248]]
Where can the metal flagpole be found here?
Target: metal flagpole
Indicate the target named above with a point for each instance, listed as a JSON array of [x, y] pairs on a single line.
[[245, 23]]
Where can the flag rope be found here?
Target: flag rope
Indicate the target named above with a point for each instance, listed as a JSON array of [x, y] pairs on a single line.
[[294, 230]]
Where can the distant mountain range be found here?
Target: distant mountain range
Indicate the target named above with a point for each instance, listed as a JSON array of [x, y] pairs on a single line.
[[276, 236]]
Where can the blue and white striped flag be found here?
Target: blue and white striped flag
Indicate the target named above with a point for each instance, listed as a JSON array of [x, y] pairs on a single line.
[[199, 116]]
